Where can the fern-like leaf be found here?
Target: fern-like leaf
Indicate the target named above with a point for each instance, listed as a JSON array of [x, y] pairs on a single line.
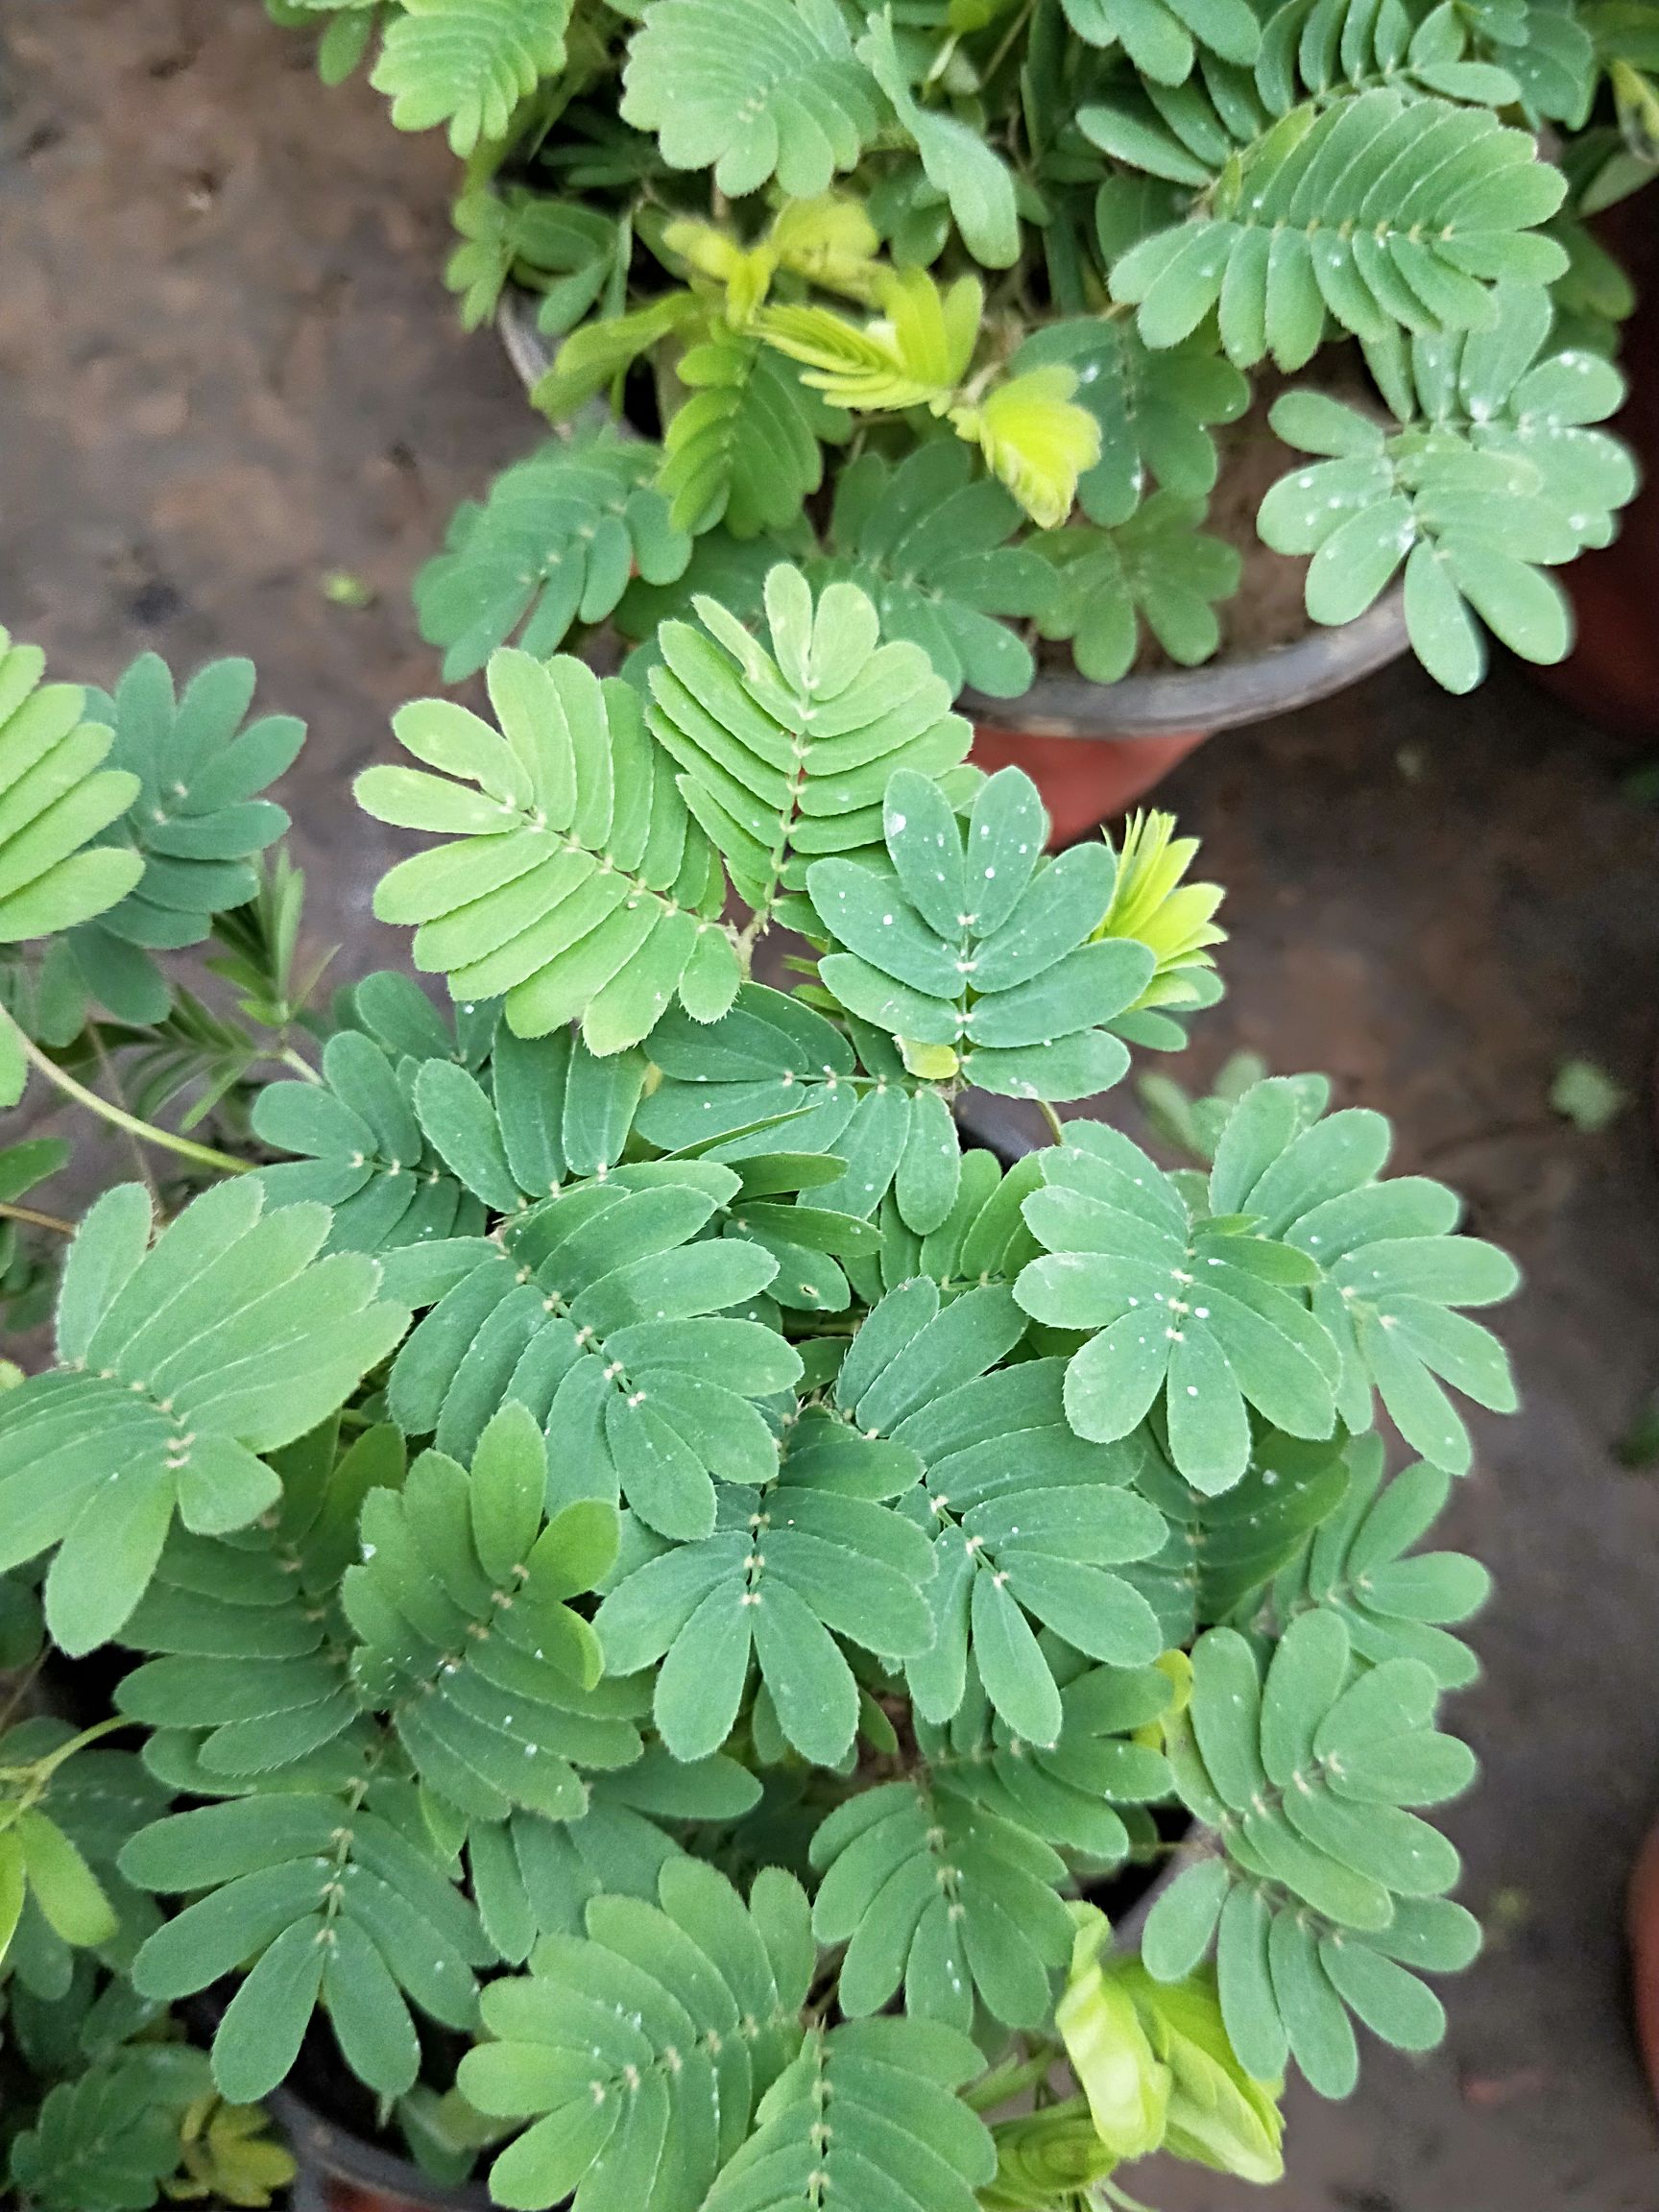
[[641, 2049], [1331, 1890], [467, 63], [55, 797], [812, 1558], [1395, 1602], [1086, 1791], [775, 1074], [197, 821], [743, 448], [566, 252], [751, 89], [1392, 1275], [1224, 1550], [607, 1313], [340, 1899], [557, 541], [1159, 568], [465, 1639], [109, 2140], [1493, 476], [1022, 1531], [576, 885], [786, 754], [178, 1362], [1377, 210], [930, 547], [889, 2084], [933, 1891], [249, 1665], [1154, 411], [974, 952]]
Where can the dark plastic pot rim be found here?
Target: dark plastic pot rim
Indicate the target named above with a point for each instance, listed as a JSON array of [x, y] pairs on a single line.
[[1170, 702], [328, 2152]]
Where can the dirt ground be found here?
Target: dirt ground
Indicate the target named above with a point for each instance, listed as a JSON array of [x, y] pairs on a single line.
[[227, 370]]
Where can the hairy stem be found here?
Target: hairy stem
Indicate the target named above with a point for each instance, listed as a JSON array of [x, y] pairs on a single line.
[[37, 1220]]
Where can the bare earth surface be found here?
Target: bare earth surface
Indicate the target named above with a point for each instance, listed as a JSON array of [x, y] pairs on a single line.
[[227, 370]]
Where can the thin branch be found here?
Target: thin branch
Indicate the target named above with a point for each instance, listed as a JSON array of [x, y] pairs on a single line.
[[204, 1155], [37, 1220]]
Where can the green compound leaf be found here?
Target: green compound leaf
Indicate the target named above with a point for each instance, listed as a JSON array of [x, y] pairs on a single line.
[[936, 1893], [812, 1558], [365, 1154], [1224, 1550], [566, 252], [1326, 212], [641, 2049], [751, 89], [465, 1639], [1027, 1528], [1392, 1274], [1159, 570], [744, 447], [55, 798], [1080, 1793], [607, 1314], [178, 1362], [340, 1899], [980, 1239], [416, 1150], [575, 884], [1194, 1310], [1493, 476], [1331, 1888], [1154, 411], [774, 1075], [786, 754], [249, 1665], [1332, 46], [890, 2085], [557, 543], [974, 952], [197, 821], [1163, 37], [1396, 1602], [533, 1877], [467, 63], [958, 160], [110, 2137], [930, 544]]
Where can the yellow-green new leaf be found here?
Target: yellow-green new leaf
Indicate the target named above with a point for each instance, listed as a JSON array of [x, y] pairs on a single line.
[[1035, 438]]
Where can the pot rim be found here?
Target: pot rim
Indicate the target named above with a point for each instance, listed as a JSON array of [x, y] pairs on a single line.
[[1169, 702], [325, 2150]]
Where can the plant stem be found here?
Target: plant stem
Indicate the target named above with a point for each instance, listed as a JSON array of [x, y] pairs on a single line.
[[140, 1165], [37, 1220], [1002, 52], [300, 1066], [204, 1155], [1056, 1133]]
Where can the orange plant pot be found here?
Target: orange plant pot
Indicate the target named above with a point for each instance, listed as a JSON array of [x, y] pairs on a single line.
[[1084, 781], [1642, 1925]]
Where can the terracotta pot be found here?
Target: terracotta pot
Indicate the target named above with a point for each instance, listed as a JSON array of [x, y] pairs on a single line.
[[1084, 781], [1611, 674], [1093, 749], [1642, 1926]]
